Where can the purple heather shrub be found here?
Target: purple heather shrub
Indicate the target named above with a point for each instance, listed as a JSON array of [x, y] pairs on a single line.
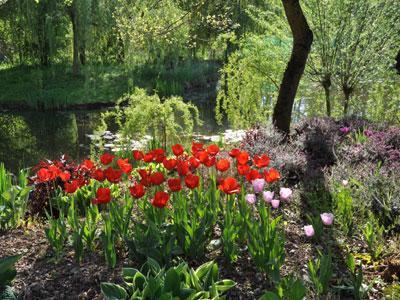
[[287, 157], [368, 132], [382, 147], [317, 138], [373, 188]]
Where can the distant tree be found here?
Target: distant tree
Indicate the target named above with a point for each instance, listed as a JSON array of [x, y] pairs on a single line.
[[322, 16], [366, 33]]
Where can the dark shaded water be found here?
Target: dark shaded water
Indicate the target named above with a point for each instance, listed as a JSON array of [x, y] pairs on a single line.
[[28, 137]]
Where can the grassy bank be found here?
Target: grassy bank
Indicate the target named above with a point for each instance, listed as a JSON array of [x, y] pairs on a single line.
[[56, 88]]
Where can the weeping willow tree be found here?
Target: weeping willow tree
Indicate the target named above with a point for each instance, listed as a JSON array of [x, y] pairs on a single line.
[[250, 80], [152, 31], [168, 120], [253, 73], [28, 31]]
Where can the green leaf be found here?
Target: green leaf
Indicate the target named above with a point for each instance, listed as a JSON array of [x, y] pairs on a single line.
[[172, 282], [203, 269], [297, 291], [351, 264], [129, 273], [225, 285], [139, 280], [7, 269], [269, 296], [113, 291], [6, 293]]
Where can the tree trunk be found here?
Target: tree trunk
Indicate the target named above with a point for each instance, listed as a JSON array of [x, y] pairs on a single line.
[[302, 40], [75, 47], [82, 54], [327, 88], [43, 39], [347, 91]]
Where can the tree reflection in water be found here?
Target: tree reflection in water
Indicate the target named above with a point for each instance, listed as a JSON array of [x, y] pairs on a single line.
[[29, 137]]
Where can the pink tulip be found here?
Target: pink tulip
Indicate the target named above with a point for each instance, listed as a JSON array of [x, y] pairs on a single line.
[[327, 218], [309, 230], [275, 203], [285, 193], [268, 196], [258, 184], [345, 130], [251, 198]]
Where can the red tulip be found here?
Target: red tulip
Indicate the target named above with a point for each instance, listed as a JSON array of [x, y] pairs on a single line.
[[145, 175], [194, 162], [272, 175], [242, 158], [213, 149], [243, 169], [202, 156], [54, 172], [196, 147], [137, 155], [106, 158], [98, 175], [253, 174], [65, 176], [157, 178], [192, 181], [158, 155], [177, 149], [261, 161], [182, 168], [71, 187], [170, 164], [137, 191], [124, 165], [87, 164], [223, 165], [113, 175], [229, 186], [160, 199], [148, 157], [234, 152], [174, 184], [43, 175], [210, 161], [103, 196]]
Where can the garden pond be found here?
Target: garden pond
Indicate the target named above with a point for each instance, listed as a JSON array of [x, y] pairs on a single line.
[[28, 137]]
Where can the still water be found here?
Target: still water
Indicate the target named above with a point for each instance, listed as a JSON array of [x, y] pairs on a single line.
[[28, 137]]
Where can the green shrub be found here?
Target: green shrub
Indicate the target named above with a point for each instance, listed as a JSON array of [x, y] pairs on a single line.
[[7, 275], [13, 199], [170, 119], [180, 282]]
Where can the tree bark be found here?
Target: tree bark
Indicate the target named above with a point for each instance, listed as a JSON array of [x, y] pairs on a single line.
[[397, 65], [75, 43], [43, 40], [347, 91], [82, 54], [302, 40], [327, 88]]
